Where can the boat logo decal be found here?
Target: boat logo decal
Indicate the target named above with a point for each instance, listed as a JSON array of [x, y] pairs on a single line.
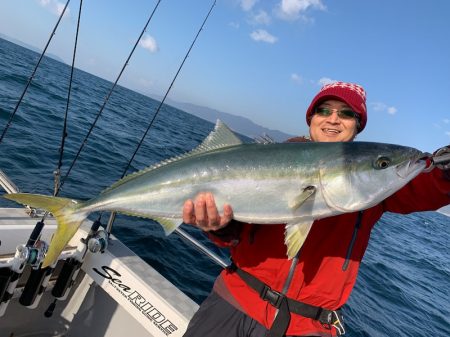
[[143, 305]]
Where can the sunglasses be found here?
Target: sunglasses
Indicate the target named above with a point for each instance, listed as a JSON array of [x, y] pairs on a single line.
[[342, 113]]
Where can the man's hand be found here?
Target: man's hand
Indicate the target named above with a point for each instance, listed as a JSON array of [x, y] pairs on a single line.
[[203, 213], [441, 158]]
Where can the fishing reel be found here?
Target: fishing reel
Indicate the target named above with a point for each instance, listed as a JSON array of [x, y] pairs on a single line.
[[97, 239], [97, 242], [31, 255]]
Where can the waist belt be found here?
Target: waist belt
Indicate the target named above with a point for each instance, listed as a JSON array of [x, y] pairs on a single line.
[[286, 305]]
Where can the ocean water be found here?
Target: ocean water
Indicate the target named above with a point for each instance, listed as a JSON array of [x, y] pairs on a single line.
[[404, 282]]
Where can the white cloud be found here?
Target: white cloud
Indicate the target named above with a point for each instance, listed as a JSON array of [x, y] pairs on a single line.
[[448, 133], [382, 107], [149, 43], [54, 6], [263, 35], [60, 7], [325, 80], [296, 78], [392, 110], [260, 18], [234, 25], [294, 9], [247, 5], [446, 120]]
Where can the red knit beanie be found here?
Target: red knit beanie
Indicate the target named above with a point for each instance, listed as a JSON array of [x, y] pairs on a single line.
[[352, 94]]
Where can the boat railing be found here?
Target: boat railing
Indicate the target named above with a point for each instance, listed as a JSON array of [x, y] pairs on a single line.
[[7, 184], [202, 248]]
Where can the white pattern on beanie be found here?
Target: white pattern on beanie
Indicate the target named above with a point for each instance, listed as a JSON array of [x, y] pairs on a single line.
[[354, 87]]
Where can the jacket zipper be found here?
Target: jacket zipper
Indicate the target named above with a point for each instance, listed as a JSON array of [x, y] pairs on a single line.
[[352, 242]]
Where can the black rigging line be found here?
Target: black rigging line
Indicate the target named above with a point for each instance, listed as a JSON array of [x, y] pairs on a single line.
[[113, 214], [106, 101], [64, 131], [32, 75]]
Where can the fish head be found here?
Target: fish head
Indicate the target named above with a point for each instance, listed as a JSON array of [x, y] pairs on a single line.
[[362, 174]]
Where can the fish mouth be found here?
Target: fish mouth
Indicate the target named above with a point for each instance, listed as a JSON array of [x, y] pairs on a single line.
[[413, 166]]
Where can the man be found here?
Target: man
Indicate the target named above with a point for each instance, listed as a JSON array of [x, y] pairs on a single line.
[[264, 293]]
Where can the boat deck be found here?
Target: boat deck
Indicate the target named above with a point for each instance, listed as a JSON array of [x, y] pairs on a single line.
[[115, 293]]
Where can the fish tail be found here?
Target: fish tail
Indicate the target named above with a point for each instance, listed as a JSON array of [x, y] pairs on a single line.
[[67, 214]]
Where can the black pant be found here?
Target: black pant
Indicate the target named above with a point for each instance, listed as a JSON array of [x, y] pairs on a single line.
[[218, 318]]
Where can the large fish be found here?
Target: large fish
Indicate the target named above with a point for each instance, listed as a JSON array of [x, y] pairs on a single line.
[[291, 183]]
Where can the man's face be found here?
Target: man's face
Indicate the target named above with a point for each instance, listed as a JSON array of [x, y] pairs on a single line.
[[336, 127]]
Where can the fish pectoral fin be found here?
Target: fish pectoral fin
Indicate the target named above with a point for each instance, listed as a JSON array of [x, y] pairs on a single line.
[[294, 236], [300, 199], [169, 224]]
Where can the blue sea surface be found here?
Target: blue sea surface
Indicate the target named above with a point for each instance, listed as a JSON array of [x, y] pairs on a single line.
[[403, 285]]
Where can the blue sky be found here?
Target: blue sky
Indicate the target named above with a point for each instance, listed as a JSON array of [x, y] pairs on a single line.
[[266, 59]]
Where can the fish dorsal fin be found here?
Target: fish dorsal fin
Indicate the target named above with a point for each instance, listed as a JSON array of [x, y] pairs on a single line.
[[220, 137]]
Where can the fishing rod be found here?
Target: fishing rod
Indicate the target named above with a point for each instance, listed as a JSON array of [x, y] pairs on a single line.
[[57, 172], [39, 225], [8, 124], [179, 231]]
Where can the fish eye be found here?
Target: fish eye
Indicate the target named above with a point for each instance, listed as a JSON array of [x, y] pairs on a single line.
[[381, 163]]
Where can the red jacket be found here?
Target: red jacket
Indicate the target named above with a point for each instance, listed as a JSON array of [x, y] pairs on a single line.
[[324, 276]]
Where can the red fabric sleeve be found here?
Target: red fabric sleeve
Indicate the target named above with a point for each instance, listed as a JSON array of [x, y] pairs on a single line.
[[427, 192]]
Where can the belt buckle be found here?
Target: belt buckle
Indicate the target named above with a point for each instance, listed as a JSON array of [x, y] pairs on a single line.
[[272, 296], [336, 321]]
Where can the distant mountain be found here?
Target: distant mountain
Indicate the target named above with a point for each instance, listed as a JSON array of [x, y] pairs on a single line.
[[28, 46], [239, 124]]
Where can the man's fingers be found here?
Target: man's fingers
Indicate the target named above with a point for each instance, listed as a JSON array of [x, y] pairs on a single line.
[[188, 212], [211, 210], [227, 215], [201, 215]]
